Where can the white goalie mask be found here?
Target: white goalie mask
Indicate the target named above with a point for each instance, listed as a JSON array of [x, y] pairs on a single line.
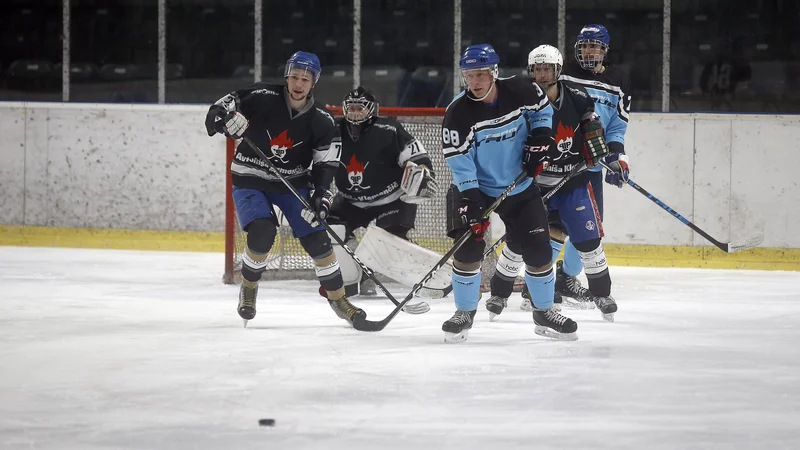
[[549, 61]]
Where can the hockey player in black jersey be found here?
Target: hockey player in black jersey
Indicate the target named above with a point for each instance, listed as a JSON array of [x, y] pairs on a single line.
[[383, 174], [491, 132], [572, 210], [299, 137], [610, 89]]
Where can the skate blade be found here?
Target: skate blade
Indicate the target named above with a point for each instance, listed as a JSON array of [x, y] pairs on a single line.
[[609, 317], [555, 335], [245, 322], [454, 338], [526, 306], [417, 308], [492, 316], [571, 303]]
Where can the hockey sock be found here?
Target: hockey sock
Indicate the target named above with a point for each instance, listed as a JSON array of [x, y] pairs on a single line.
[[557, 246], [542, 287], [508, 266], [572, 260], [253, 265], [597, 271], [467, 288], [330, 276]]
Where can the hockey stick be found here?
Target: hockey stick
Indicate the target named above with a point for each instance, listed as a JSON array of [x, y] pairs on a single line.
[[368, 325], [729, 247], [545, 198], [417, 308]]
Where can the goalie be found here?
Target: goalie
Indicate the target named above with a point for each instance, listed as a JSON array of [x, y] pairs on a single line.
[[383, 174]]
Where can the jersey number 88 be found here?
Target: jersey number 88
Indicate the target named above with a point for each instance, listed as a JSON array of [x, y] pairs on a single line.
[[450, 137]]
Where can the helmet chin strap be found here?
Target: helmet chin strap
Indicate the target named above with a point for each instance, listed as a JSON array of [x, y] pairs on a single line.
[[486, 95]]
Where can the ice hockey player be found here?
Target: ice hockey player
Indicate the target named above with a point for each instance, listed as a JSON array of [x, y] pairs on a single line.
[[572, 210], [383, 174], [299, 137], [609, 87], [492, 131]]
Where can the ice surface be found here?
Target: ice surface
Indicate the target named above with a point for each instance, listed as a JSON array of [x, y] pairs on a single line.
[[144, 350]]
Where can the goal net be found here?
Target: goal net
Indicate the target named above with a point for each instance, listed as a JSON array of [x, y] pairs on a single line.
[[288, 260]]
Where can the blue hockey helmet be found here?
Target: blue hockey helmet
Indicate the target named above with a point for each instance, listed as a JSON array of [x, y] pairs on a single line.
[[478, 57], [595, 34], [305, 61]]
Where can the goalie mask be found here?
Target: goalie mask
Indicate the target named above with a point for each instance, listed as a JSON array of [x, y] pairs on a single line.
[[544, 65], [360, 110]]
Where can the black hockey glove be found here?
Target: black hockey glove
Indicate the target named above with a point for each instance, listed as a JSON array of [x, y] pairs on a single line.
[[470, 210], [214, 119], [537, 153], [321, 201], [594, 143]]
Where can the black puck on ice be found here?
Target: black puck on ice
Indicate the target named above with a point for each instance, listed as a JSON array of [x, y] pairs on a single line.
[[266, 422]]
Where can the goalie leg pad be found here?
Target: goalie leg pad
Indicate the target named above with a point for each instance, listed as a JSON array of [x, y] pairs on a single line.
[[401, 260], [351, 272]]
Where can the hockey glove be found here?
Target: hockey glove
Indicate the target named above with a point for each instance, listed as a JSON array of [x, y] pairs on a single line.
[[214, 118], [418, 184], [594, 143], [470, 210], [321, 201], [618, 175], [537, 154]]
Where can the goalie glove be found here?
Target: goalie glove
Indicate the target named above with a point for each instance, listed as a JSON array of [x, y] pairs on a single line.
[[594, 143], [418, 184]]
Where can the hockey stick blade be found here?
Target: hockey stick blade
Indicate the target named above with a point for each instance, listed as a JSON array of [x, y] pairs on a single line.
[[754, 241], [417, 308], [729, 247]]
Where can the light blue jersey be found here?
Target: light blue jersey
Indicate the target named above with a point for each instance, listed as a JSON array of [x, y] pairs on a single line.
[[484, 144]]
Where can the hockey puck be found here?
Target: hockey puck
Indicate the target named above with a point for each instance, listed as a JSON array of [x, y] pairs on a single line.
[[266, 422]]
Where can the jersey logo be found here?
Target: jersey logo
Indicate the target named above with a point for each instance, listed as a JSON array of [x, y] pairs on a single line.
[[565, 136], [355, 174], [280, 145]]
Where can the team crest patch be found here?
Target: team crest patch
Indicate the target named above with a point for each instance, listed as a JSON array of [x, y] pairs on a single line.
[[564, 139], [589, 225], [280, 145], [355, 174]]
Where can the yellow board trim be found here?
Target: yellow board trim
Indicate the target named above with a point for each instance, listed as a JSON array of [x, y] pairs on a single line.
[[194, 241]]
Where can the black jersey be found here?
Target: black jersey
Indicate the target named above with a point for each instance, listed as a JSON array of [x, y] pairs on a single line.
[[371, 167], [303, 145], [611, 92], [571, 107]]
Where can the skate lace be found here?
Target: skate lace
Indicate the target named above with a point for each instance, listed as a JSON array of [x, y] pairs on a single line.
[[460, 317], [248, 298], [346, 307], [555, 316], [574, 285]]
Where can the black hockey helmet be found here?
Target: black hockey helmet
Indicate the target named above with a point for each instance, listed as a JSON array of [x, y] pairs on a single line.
[[360, 109]]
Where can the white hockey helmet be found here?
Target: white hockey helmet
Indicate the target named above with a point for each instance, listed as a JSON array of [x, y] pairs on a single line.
[[546, 54]]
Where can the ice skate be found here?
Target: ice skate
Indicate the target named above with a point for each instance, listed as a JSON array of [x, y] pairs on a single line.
[[495, 305], [456, 328], [247, 302], [526, 304], [550, 323], [607, 307], [574, 295], [346, 310], [367, 287]]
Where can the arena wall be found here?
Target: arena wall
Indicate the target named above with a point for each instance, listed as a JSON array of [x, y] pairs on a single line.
[[153, 168]]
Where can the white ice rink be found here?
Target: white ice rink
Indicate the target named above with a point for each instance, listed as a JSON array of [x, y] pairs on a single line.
[[144, 350]]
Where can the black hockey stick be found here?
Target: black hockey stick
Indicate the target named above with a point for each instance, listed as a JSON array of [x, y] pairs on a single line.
[[417, 308], [729, 247], [545, 198]]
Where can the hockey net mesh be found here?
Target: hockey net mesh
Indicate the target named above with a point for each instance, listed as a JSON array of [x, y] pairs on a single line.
[[287, 259]]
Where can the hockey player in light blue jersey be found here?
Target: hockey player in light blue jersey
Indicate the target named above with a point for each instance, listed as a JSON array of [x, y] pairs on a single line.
[[491, 132]]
